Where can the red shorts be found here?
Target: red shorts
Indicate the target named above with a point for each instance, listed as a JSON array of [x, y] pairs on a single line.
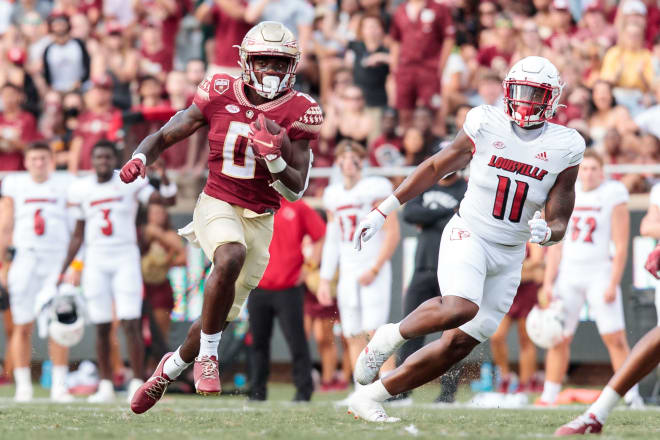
[[315, 310], [160, 296], [417, 87], [525, 300]]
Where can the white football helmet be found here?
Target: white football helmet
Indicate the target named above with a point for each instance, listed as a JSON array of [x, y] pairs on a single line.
[[545, 327], [66, 323], [269, 38], [531, 91]]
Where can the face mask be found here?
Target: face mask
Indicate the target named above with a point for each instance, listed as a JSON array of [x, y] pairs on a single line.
[[270, 86]]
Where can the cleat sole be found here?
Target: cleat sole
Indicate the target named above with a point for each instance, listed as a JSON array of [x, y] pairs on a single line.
[[207, 393]]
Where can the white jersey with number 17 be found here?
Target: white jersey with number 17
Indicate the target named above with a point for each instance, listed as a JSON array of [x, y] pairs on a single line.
[[108, 209], [510, 178]]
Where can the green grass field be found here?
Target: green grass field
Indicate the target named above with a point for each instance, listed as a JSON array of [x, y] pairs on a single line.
[[183, 417]]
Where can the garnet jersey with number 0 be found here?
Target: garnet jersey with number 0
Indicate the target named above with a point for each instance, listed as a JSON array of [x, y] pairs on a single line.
[[348, 207], [234, 174], [40, 212], [589, 231], [510, 178], [108, 209]]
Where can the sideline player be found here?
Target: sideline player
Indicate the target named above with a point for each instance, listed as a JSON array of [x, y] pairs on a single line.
[[105, 210], [589, 272], [643, 359], [249, 168], [365, 280], [650, 227], [34, 217], [519, 164]]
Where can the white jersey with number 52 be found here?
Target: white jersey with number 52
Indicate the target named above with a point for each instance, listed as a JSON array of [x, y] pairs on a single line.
[[589, 233], [40, 213], [108, 209], [510, 178]]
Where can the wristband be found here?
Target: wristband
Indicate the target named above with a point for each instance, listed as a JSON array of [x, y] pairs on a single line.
[[140, 156], [276, 166], [389, 205], [168, 191]]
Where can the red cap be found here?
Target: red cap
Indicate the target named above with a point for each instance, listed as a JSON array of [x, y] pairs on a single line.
[[16, 55]]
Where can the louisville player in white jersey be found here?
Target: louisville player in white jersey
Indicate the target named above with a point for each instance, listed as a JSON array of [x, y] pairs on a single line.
[[34, 217], [365, 280], [259, 135], [105, 210], [520, 164], [643, 359], [650, 227], [583, 269]]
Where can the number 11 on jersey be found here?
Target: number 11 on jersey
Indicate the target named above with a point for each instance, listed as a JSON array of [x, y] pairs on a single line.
[[502, 195]]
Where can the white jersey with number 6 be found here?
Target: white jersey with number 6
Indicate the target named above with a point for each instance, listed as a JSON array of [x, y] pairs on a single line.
[[40, 213], [510, 178], [348, 207], [589, 233], [108, 209]]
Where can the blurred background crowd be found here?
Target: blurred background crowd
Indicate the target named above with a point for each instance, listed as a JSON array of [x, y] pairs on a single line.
[[396, 76]]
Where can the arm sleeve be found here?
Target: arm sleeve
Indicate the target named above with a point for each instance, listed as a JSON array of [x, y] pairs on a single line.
[[576, 153], [308, 125], [7, 187], [202, 97], [473, 122], [619, 194], [312, 221], [330, 256]]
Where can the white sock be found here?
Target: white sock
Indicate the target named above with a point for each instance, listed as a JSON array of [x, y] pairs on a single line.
[[174, 366], [603, 405], [208, 344], [22, 377], [376, 391], [393, 334], [632, 394], [550, 392], [106, 387], [59, 376]]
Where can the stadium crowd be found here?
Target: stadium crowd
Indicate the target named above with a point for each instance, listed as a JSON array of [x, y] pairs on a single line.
[[396, 77]]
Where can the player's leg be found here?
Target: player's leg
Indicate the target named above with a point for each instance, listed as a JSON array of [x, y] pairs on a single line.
[[406, 95], [322, 328], [375, 300], [262, 315], [643, 359], [527, 355], [289, 309], [570, 291], [348, 303], [461, 274], [500, 349], [59, 355]]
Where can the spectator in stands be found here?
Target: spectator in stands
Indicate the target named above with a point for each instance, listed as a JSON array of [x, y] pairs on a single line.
[[423, 121], [562, 26], [489, 91], [14, 72], [166, 12], [386, 150], [647, 120], [116, 58], [629, 67], [595, 28], [523, 302], [119, 10], [228, 18], [413, 147], [156, 59], [280, 293], [496, 53], [66, 60], [423, 36], [195, 71], [349, 119], [605, 114], [23, 7], [530, 43], [369, 59], [17, 128], [99, 121]]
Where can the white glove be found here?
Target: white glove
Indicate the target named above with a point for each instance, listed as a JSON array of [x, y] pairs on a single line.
[[368, 228], [539, 229]]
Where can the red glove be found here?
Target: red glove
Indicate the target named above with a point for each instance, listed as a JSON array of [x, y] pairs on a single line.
[[132, 169], [264, 143], [653, 262]]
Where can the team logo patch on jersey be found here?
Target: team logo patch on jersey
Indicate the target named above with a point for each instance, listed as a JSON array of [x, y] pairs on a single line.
[[205, 85], [221, 85], [231, 108], [459, 234], [498, 144], [542, 156]]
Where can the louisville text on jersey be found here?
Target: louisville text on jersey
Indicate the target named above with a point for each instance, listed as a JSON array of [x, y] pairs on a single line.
[[517, 167]]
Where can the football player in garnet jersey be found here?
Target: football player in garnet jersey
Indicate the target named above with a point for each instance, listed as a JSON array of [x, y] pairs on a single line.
[[584, 269], [643, 359], [260, 129], [33, 215], [520, 164], [105, 211]]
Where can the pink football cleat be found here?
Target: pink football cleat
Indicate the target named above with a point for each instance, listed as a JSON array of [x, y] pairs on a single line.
[[584, 424], [152, 390], [206, 375]]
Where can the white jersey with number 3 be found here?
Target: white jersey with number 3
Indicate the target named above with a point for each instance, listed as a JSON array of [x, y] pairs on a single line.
[[108, 209], [348, 208], [510, 178], [40, 212], [589, 232]]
